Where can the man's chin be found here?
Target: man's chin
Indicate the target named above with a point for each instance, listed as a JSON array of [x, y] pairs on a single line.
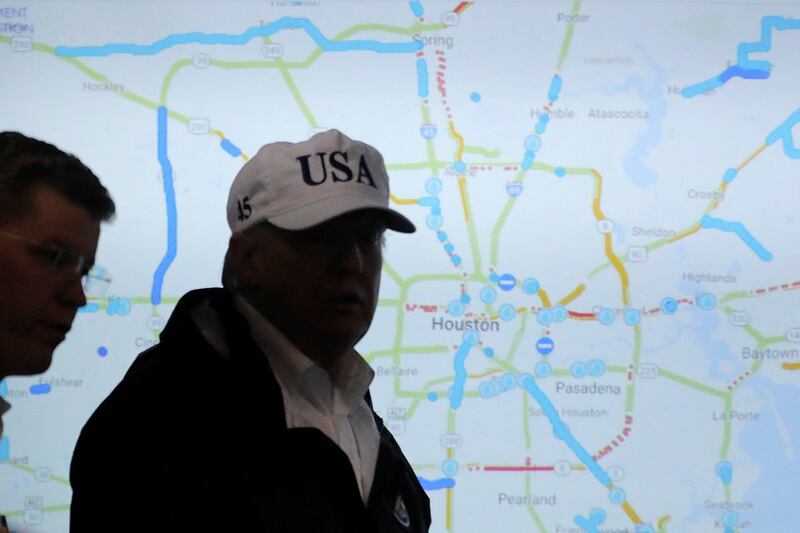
[[30, 362]]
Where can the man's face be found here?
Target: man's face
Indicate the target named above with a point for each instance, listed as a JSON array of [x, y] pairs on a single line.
[[37, 300], [319, 285]]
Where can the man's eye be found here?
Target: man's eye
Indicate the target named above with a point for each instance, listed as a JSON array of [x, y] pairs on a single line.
[[50, 256], [370, 237]]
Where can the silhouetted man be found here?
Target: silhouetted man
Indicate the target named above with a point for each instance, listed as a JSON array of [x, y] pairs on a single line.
[[253, 412], [51, 207]]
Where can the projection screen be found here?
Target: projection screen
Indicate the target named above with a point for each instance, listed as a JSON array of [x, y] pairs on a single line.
[[596, 325]]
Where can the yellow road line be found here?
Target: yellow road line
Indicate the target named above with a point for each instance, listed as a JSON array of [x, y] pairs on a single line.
[[791, 366], [574, 294], [544, 297], [462, 188], [459, 139], [694, 229], [484, 374], [751, 157], [619, 267], [403, 201], [631, 513], [598, 213]]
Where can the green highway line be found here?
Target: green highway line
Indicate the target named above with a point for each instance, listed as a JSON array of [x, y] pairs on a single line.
[[29, 470], [736, 295], [451, 421], [434, 164], [494, 249], [169, 76], [430, 148], [47, 509], [425, 389], [518, 337], [692, 383], [420, 278], [526, 423], [485, 152], [629, 396], [97, 76], [576, 8], [649, 247], [472, 233], [505, 364], [637, 355], [301, 103], [531, 509], [392, 273], [422, 165], [419, 395], [377, 354], [298, 98], [726, 428]]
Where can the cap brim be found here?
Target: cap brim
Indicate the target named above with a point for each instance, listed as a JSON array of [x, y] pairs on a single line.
[[327, 208]]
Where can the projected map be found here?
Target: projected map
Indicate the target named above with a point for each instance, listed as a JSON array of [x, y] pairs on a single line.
[[595, 327]]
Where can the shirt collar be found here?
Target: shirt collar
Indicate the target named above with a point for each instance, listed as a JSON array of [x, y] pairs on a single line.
[[337, 392]]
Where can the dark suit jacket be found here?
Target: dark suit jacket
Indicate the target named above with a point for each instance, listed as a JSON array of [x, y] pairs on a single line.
[[192, 441]]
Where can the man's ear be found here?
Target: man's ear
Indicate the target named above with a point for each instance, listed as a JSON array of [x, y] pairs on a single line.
[[241, 259]]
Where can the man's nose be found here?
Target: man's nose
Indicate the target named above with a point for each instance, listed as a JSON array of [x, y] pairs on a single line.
[[73, 294], [349, 255]]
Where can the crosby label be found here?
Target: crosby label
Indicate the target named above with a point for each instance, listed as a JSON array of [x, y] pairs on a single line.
[[705, 195]]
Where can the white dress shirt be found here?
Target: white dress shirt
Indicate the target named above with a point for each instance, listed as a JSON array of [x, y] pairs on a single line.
[[333, 402], [4, 406]]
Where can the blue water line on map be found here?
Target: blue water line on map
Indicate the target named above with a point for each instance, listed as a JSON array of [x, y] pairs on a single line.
[[708, 222], [457, 390], [422, 78], [437, 484], [734, 71], [172, 211], [784, 132], [555, 88], [765, 44], [285, 23], [231, 148], [561, 430], [745, 67]]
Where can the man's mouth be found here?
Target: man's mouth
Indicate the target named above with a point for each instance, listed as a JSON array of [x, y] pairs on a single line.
[[56, 329], [347, 299]]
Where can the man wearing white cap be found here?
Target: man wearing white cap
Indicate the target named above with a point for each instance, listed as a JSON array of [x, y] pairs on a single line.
[[253, 411]]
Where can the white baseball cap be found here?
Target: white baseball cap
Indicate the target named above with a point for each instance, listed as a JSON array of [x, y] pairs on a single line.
[[299, 185]]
